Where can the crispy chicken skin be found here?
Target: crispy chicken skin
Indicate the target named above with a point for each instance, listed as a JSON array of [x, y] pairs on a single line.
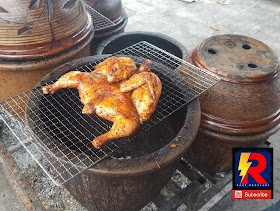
[[115, 91], [146, 89], [116, 68]]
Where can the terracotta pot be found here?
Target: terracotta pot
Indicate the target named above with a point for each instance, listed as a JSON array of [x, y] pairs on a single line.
[[37, 37], [211, 151], [244, 108], [148, 162], [114, 11]]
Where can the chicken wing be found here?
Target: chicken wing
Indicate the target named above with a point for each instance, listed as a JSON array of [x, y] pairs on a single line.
[[116, 68], [146, 90]]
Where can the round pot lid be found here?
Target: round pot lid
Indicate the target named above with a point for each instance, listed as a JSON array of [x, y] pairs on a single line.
[[237, 58]]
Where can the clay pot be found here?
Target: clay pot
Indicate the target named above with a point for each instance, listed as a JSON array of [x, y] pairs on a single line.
[[134, 174], [114, 11], [124, 40], [38, 36], [242, 110], [129, 184]]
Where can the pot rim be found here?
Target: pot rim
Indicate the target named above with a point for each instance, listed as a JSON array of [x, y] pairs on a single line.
[[99, 50], [226, 137]]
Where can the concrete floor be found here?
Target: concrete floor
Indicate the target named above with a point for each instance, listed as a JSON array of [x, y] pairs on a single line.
[[8, 197], [190, 24]]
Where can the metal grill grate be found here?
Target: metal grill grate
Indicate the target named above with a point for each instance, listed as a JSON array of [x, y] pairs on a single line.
[[129, 12], [99, 20], [62, 136]]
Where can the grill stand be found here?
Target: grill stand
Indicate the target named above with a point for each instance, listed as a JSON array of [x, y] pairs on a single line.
[[197, 193]]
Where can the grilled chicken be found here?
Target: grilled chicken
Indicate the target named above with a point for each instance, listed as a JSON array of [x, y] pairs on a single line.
[[116, 68], [115, 91], [145, 88]]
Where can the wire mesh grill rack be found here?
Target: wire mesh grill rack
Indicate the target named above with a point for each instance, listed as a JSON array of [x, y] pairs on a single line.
[[129, 11], [99, 20], [62, 136]]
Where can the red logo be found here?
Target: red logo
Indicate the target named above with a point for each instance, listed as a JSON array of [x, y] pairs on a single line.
[[252, 173], [246, 169]]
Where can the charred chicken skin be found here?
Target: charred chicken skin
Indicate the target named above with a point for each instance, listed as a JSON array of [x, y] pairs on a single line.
[[115, 91]]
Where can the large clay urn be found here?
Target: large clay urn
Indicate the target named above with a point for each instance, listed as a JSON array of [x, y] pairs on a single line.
[[135, 173], [114, 11], [36, 36], [242, 110]]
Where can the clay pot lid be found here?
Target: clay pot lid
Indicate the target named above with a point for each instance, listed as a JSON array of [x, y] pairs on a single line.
[[237, 58], [39, 29]]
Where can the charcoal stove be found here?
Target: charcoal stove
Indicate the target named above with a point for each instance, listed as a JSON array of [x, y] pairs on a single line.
[[62, 135]]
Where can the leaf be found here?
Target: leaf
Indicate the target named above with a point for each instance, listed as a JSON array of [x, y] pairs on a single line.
[[214, 28], [34, 4], [49, 9], [47, 207], [69, 4], [3, 10]]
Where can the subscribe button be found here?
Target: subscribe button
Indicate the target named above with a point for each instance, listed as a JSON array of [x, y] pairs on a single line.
[[251, 194]]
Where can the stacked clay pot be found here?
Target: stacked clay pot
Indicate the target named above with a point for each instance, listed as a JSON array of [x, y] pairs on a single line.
[[242, 110], [37, 36], [114, 11]]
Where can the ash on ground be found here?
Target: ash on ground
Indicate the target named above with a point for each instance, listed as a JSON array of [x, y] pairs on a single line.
[[52, 197]]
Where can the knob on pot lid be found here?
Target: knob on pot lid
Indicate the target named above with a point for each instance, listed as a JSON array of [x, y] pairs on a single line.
[[237, 58]]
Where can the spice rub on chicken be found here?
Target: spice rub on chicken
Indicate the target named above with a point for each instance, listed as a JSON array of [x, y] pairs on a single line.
[[116, 91]]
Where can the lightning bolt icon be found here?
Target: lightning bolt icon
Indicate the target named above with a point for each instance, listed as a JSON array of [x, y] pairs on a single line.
[[244, 165]]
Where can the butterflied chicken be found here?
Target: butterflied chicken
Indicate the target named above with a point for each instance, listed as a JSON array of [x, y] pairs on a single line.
[[115, 91]]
